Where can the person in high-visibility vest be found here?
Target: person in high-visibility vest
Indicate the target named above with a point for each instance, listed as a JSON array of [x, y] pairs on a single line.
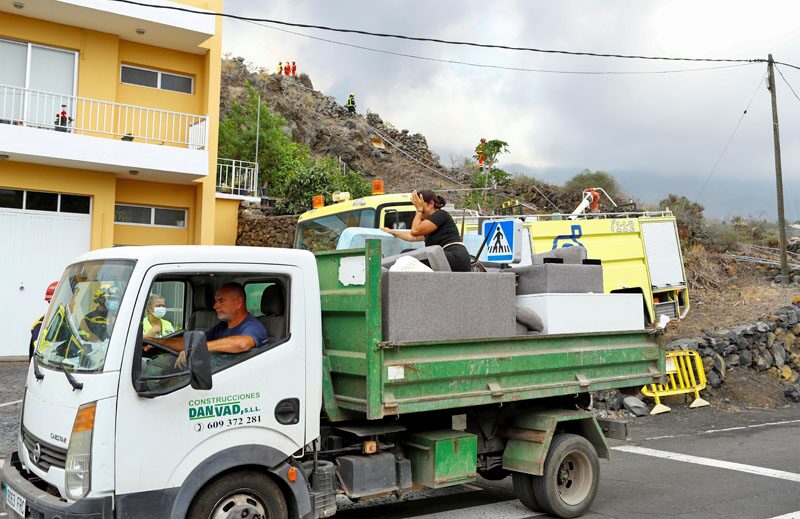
[[287, 69], [280, 68], [351, 103], [294, 69], [479, 152], [37, 326]]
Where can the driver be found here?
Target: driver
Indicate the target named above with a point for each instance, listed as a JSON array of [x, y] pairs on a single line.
[[237, 332]]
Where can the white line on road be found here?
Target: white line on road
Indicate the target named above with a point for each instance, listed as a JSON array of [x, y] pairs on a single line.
[[512, 509], [11, 403], [790, 515], [697, 460], [713, 431]]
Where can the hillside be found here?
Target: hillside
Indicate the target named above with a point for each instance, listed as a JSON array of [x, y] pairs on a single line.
[[367, 144]]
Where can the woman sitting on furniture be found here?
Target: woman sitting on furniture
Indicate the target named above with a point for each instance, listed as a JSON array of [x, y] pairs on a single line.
[[436, 227]]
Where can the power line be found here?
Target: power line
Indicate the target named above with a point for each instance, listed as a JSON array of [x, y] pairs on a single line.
[[438, 40], [498, 67], [787, 83], [725, 149]]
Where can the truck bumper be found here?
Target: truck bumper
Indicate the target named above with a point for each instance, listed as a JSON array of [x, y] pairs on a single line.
[[42, 505]]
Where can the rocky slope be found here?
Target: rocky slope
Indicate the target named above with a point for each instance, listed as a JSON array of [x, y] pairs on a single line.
[[368, 144], [328, 129]]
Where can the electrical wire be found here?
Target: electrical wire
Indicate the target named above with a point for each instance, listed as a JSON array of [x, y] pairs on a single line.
[[725, 148], [439, 40], [497, 67], [787, 83]]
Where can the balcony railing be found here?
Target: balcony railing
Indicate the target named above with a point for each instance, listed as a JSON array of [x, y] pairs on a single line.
[[80, 115], [237, 177]]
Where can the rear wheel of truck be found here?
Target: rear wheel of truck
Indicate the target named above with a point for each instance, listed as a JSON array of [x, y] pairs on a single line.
[[240, 494], [523, 489], [571, 476]]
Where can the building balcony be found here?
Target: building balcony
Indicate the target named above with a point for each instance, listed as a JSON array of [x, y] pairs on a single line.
[[162, 27], [77, 132], [237, 179]]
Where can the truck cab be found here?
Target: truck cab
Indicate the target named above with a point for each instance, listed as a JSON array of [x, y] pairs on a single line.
[[109, 422]]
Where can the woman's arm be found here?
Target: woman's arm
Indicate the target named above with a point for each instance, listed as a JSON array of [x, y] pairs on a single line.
[[403, 235], [422, 227]]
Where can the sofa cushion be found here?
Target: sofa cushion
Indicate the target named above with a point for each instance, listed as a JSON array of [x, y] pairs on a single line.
[[570, 255], [529, 318], [422, 306], [559, 278]]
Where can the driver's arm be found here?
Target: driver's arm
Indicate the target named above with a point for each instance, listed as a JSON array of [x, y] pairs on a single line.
[[232, 344]]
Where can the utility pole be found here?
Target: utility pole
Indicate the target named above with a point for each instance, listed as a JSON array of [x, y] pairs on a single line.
[[784, 276]]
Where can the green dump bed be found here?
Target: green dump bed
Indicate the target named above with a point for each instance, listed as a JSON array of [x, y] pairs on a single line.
[[363, 376]]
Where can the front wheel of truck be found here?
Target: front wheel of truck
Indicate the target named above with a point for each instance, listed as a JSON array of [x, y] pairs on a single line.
[[571, 476], [240, 494]]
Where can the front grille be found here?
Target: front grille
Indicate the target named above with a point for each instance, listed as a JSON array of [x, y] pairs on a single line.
[[48, 455]]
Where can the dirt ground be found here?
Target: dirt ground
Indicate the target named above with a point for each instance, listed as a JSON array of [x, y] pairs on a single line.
[[723, 293]]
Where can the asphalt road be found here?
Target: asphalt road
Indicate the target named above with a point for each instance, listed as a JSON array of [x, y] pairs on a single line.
[[698, 463]]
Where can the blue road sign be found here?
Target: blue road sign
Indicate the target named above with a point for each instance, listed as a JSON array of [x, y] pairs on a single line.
[[501, 242]]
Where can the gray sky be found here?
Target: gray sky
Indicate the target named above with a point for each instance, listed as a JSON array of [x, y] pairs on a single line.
[[657, 133]]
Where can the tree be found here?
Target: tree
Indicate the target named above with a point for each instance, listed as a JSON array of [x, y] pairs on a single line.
[[491, 149], [278, 157], [688, 214], [587, 178], [319, 176]]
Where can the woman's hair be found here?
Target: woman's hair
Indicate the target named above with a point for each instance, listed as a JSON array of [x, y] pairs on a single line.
[[151, 300], [430, 196]]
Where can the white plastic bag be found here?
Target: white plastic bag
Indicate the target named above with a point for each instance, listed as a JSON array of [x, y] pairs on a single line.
[[409, 264]]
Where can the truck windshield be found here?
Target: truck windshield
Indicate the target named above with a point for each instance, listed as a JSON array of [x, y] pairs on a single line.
[[322, 233], [81, 317]]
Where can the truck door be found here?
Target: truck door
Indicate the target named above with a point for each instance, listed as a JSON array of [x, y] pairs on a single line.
[[165, 428]]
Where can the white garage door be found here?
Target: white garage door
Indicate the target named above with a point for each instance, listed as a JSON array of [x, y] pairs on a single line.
[[41, 234]]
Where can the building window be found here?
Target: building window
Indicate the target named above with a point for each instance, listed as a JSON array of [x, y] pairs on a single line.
[[156, 79], [43, 201], [143, 215]]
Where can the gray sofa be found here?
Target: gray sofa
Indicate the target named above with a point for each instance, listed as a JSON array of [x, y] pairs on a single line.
[[432, 256], [419, 306]]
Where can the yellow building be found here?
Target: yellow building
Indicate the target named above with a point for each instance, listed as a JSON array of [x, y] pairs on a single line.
[[109, 115]]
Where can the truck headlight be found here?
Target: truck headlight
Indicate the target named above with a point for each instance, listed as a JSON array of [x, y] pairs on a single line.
[[77, 474]]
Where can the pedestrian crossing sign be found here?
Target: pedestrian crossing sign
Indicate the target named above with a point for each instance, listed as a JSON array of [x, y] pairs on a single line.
[[503, 244]]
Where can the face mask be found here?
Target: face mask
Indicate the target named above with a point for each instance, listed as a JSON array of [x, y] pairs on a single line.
[[113, 305], [160, 311]]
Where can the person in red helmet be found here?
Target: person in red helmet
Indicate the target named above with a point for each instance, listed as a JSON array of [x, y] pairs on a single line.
[[48, 295]]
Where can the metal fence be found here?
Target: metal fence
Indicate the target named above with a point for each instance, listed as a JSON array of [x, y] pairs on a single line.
[[80, 115], [237, 177]]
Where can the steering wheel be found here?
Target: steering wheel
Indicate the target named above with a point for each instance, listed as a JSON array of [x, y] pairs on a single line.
[[156, 345]]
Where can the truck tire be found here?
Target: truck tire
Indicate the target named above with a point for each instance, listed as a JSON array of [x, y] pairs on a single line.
[[245, 491], [571, 476], [523, 489]]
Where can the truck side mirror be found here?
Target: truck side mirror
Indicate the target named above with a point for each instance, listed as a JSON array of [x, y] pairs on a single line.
[[198, 359]]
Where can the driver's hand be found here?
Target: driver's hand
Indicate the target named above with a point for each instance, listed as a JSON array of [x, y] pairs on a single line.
[[180, 363], [146, 347]]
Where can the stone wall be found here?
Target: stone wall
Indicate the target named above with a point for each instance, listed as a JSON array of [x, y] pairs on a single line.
[[770, 346], [258, 228]]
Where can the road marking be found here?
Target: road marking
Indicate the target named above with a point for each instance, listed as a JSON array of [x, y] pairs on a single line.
[[713, 431], [697, 460], [511, 509], [11, 403]]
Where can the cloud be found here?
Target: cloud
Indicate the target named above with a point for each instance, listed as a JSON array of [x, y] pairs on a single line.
[[666, 126]]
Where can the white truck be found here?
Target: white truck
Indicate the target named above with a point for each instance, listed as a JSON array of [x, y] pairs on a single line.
[[111, 426]]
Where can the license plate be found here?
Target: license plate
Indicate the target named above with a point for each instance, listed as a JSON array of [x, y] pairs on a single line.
[[15, 501]]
